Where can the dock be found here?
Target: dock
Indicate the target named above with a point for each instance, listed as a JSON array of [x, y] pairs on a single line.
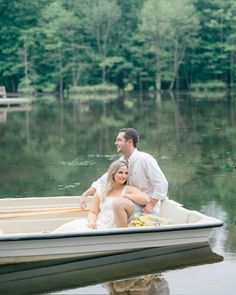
[[14, 101]]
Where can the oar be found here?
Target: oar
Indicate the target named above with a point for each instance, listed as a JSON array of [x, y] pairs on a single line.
[[41, 209], [38, 212]]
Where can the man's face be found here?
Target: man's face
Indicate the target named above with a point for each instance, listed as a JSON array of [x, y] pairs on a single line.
[[121, 143]]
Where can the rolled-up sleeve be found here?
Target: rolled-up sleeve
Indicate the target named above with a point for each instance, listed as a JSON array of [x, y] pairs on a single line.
[[157, 178]]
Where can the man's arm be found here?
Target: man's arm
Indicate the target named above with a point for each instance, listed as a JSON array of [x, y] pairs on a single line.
[[89, 192], [157, 178], [158, 181], [92, 190]]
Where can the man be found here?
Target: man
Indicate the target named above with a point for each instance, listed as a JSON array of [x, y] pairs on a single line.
[[144, 173]]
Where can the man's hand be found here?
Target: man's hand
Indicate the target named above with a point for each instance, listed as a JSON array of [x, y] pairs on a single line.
[[89, 192], [149, 206]]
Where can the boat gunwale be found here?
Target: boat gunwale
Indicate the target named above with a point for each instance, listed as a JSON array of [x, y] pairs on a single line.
[[110, 232]]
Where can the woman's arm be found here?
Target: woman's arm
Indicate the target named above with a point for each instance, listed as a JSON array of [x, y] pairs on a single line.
[[93, 212], [136, 196]]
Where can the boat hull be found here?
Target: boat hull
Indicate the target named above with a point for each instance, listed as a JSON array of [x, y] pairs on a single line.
[[28, 231], [48, 246]]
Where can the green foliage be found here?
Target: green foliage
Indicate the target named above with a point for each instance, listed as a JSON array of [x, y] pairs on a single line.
[[209, 90], [94, 89], [134, 44], [208, 86], [25, 86], [171, 27]]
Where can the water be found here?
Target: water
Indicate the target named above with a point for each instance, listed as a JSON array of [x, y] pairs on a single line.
[[60, 148]]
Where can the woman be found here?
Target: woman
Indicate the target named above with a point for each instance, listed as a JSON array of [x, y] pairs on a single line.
[[101, 213]]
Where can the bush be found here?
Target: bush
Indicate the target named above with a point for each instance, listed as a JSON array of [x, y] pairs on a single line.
[[214, 85], [25, 86], [91, 89]]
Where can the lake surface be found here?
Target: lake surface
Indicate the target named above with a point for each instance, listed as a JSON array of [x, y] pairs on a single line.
[[58, 148]]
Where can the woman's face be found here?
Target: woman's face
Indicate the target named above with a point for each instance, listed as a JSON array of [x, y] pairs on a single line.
[[121, 175]]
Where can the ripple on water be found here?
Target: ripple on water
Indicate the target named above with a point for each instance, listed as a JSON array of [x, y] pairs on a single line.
[[77, 162], [62, 187], [109, 157]]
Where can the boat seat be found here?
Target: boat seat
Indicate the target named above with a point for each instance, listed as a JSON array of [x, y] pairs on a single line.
[[194, 217], [172, 210]]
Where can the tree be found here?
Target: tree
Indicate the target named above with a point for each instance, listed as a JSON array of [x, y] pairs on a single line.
[[230, 41], [16, 16], [217, 20], [183, 34], [102, 17], [59, 26], [28, 52], [170, 27]]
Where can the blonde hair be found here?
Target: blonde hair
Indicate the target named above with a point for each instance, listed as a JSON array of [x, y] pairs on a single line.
[[109, 185]]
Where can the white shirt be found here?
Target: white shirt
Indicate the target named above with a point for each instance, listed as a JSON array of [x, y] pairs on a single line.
[[145, 174]]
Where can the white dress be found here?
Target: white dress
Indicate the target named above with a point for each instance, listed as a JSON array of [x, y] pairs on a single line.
[[105, 218]]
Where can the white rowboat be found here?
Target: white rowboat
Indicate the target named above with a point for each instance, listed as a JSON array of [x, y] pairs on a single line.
[[27, 225]]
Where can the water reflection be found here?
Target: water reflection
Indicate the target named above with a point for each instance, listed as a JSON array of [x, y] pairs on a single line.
[[143, 285], [66, 145], [139, 269], [4, 111]]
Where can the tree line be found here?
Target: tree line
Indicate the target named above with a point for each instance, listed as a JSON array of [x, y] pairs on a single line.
[[57, 45]]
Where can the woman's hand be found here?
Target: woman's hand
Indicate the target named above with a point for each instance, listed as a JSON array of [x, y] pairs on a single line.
[[92, 225], [93, 212]]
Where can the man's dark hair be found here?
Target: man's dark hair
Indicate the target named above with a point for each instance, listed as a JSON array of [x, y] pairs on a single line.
[[130, 133]]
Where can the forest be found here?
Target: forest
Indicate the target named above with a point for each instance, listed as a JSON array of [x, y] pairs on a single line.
[[60, 45]]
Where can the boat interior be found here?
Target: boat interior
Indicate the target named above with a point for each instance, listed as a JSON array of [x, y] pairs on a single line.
[[32, 215]]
